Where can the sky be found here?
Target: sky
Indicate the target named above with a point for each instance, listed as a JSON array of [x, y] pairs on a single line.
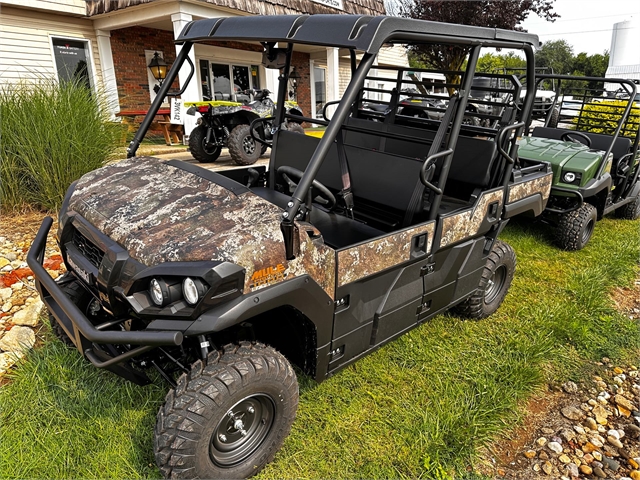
[[584, 24]]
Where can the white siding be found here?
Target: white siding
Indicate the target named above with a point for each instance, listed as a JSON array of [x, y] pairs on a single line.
[[345, 75], [25, 43], [73, 7], [395, 55]]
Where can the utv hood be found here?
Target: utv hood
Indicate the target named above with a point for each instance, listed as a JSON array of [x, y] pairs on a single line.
[[160, 212], [563, 156]]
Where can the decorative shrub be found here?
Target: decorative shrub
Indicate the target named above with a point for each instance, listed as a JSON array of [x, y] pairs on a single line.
[[603, 117], [50, 135]]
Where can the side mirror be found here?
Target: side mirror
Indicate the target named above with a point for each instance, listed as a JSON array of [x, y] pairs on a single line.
[[274, 58]]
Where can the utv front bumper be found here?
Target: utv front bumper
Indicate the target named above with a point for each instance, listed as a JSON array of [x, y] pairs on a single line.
[[80, 330]]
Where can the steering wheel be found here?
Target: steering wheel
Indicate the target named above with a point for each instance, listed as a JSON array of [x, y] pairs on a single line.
[[566, 137], [325, 197]]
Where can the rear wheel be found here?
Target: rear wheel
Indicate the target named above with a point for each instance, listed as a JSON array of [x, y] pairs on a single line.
[[575, 228], [228, 416], [244, 150], [494, 283], [631, 210], [198, 148]]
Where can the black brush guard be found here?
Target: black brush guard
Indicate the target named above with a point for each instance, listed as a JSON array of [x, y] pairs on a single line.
[[77, 326]]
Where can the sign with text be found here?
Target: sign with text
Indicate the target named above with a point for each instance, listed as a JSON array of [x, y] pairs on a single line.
[[331, 3], [177, 117]]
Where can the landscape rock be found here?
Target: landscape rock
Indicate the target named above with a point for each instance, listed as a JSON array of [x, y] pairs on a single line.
[[547, 467], [601, 414], [586, 469], [555, 447], [564, 458], [8, 359], [591, 424], [598, 472], [624, 402], [572, 413], [18, 339], [614, 441], [635, 475], [611, 463], [28, 316], [530, 453], [5, 294], [570, 387]]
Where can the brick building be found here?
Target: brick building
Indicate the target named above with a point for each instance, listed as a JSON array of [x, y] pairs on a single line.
[[116, 39]]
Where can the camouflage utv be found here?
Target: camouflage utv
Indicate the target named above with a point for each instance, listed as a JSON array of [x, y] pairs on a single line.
[[220, 282]]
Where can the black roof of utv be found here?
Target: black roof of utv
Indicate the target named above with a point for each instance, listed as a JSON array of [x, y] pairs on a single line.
[[359, 32]]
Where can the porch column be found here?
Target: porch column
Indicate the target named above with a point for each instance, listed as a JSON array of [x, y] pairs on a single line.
[[191, 94], [333, 77], [103, 38]]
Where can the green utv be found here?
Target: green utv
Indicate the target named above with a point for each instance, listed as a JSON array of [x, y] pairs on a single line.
[[593, 153], [219, 282]]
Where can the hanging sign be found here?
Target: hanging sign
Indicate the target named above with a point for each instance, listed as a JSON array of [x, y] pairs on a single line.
[[331, 3], [176, 112]]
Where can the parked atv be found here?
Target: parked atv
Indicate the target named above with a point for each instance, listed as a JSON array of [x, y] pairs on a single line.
[[221, 281], [595, 158], [226, 124]]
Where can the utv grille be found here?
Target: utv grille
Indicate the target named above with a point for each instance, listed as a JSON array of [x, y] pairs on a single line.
[[88, 249]]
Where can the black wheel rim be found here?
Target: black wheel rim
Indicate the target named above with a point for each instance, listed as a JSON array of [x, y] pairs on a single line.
[[495, 284], [242, 430], [588, 230], [248, 145], [208, 148]]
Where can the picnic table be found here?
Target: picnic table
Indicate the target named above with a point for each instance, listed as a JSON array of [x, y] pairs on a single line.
[[172, 132]]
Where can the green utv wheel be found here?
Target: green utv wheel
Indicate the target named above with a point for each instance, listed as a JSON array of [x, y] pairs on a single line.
[[228, 416], [630, 211], [202, 153], [575, 228], [244, 150], [494, 283]]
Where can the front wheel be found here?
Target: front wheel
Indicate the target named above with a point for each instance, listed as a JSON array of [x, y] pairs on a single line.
[[244, 150], [554, 119], [494, 283], [199, 149], [575, 228], [228, 416]]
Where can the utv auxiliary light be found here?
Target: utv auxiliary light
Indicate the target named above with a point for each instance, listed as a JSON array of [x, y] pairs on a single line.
[[192, 290], [155, 291], [569, 177]]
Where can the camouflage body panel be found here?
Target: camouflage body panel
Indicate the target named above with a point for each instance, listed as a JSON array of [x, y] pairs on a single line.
[[466, 224], [380, 254], [160, 213], [527, 188], [222, 107]]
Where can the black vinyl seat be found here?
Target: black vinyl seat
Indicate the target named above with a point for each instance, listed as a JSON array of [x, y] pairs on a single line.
[[338, 231]]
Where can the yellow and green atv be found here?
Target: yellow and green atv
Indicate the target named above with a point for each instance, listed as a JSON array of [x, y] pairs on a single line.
[[227, 124]]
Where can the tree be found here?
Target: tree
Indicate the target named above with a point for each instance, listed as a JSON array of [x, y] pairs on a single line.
[[484, 13], [557, 55], [499, 63]]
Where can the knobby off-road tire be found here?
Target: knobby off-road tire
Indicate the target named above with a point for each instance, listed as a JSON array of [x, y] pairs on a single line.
[[494, 283], [197, 433], [631, 210], [575, 228], [555, 118], [81, 298], [198, 149], [244, 150]]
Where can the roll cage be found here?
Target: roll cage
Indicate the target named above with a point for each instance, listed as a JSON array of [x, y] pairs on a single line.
[[363, 36]]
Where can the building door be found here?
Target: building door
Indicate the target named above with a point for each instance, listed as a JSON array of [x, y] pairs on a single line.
[[72, 60]]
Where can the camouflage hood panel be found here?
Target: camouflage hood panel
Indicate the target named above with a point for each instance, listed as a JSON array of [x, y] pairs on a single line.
[[160, 213]]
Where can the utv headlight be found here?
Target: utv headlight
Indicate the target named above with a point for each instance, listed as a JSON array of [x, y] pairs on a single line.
[[572, 177], [162, 292], [192, 290]]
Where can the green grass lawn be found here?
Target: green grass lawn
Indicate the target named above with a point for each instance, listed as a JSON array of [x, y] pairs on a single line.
[[419, 407]]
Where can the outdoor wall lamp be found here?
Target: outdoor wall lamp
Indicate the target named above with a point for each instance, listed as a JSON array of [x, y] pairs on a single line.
[[158, 68], [294, 78]]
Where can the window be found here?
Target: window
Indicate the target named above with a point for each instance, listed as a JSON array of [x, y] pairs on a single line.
[[72, 60], [319, 75], [216, 82]]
